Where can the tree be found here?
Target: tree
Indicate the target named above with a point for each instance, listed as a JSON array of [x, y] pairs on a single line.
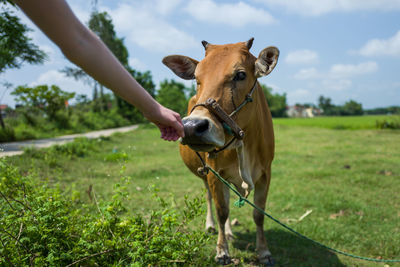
[[276, 102], [325, 103], [351, 108], [16, 47], [172, 96], [48, 99]]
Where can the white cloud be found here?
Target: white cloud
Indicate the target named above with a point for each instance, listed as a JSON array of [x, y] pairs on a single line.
[[299, 96], [302, 57], [338, 77], [307, 74], [336, 84], [337, 71], [378, 47], [142, 27], [67, 84], [165, 7], [349, 70], [321, 7], [234, 14], [136, 63]]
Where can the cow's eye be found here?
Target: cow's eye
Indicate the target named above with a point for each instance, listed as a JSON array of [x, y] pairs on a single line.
[[240, 76]]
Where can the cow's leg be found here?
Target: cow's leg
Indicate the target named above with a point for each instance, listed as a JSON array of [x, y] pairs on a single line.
[[228, 230], [210, 224], [222, 210], [260, 197]]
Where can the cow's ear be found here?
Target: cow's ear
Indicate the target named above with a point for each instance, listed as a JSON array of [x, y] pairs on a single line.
[[182, 66], [266, 61]]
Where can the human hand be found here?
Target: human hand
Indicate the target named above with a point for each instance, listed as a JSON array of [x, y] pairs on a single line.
[[169, 122]]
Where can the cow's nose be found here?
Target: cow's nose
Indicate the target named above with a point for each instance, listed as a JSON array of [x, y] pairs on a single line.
[[195, 127]]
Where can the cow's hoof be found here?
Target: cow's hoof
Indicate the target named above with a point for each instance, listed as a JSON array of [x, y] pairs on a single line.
[[267, 261], [224, 260]]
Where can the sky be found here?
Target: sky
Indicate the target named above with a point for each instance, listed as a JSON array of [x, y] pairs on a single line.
[[342, 49]]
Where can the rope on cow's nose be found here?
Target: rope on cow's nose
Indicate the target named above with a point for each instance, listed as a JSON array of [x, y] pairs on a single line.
[[241, 201]]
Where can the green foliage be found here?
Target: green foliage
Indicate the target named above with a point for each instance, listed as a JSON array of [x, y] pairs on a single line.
[[116, 156], [15, 45], [392, 110], [350, 108], [49, 99], [7, 134], [389, 123], [44, 227], [32, 123], [172, 96], [277, 103]]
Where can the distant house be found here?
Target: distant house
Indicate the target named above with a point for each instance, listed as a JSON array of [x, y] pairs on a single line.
[[3, 109], [299, 111]]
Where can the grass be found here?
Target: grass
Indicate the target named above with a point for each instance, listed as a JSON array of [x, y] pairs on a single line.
[[349, 179], [338, 122]]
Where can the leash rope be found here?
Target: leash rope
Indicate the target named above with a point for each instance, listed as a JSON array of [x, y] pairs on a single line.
[[241, 201]]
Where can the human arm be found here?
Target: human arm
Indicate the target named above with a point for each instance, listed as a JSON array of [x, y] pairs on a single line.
[[82, 47]]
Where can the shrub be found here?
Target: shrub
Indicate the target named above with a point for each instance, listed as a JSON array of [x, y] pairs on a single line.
[[388, 124], [41, 226], [7, 134]]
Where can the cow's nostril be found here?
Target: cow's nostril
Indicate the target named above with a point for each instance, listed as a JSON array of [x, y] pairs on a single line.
[[201, 127]]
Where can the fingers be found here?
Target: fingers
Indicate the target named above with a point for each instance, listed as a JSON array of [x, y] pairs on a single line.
[[169, 122], [169, 134], [179, 126]]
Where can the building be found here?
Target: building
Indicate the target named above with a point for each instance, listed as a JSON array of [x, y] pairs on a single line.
[[299, 111], [3, 108]]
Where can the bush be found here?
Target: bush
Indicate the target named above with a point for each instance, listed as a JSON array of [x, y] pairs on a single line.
[[7, 134], [41, 226], [388, 124]]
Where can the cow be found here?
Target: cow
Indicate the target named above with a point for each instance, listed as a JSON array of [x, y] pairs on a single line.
[[227, 80]]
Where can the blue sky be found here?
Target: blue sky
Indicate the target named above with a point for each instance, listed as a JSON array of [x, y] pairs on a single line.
[[347, 49]]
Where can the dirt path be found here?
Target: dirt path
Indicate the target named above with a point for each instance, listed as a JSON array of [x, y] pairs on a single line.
[[17, 148]]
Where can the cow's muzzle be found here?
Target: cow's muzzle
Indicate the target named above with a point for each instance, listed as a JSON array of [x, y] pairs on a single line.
[[200, 134]]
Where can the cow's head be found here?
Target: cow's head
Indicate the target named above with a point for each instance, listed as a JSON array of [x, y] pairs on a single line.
[[226, 74]]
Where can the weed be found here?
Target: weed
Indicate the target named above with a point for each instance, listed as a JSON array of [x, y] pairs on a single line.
[[41, 226]]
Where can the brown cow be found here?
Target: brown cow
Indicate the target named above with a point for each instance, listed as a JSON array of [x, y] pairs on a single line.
[[228, 74]]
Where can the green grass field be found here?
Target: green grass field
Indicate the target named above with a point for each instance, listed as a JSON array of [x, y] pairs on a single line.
[[349, 179], [339, 122]]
